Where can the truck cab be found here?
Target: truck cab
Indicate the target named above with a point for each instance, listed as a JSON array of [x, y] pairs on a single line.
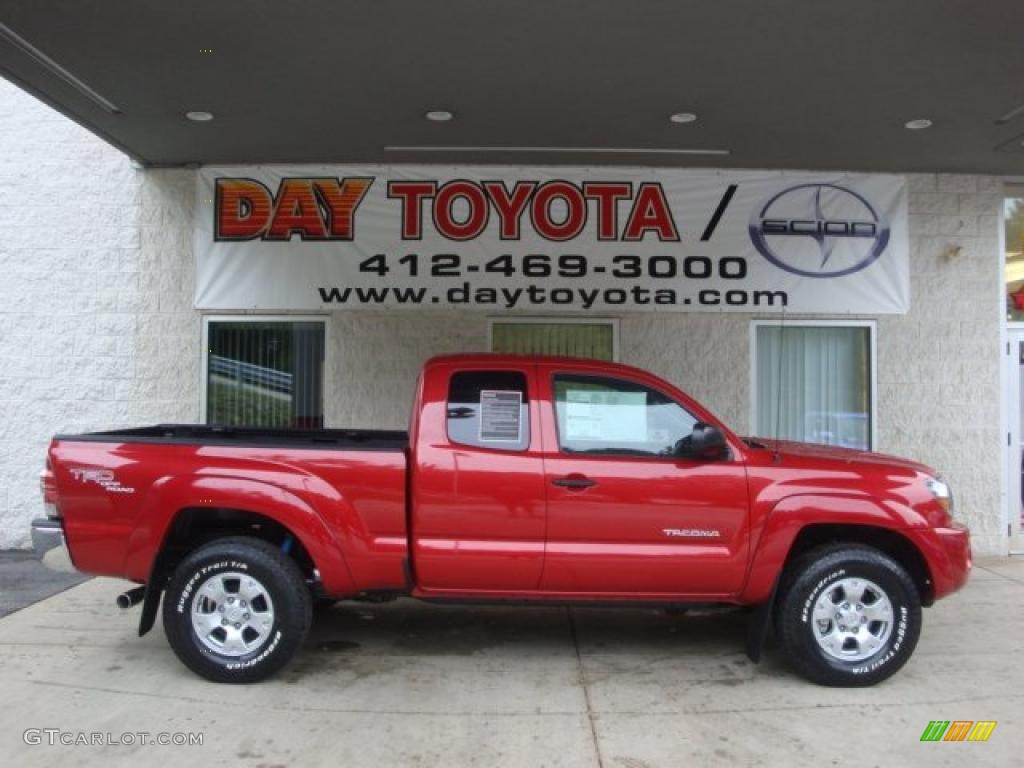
[[575, 478]]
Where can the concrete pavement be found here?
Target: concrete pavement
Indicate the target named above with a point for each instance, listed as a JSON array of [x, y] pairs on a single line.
[[419, 685]]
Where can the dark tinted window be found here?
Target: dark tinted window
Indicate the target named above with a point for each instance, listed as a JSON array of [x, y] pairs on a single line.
[[489, 409], [605, 416], [265, 374]]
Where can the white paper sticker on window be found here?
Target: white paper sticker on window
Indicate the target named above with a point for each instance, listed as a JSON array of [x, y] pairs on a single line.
[[500, 415], [606, 415]]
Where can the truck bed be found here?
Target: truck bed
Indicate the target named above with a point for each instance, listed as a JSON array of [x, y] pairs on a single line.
[[120, 491], [202, 434]]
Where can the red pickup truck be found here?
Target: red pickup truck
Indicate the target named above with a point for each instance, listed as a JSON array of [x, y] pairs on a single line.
[[534, 479]]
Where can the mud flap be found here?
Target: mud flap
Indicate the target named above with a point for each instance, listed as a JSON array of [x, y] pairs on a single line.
[[758, 625], [154, 588]]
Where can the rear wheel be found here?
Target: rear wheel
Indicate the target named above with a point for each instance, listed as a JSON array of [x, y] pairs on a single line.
[[849, 616], [236, 610]]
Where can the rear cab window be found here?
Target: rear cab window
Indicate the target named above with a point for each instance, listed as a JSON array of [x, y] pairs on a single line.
[[489, 409]]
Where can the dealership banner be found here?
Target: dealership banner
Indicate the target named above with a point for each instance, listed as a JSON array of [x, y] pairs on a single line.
[[550, 239]]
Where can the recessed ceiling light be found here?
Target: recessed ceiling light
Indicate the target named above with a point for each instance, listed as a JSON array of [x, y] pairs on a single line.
[[439, 115], [199, 117], [917, 125], [683, 117]]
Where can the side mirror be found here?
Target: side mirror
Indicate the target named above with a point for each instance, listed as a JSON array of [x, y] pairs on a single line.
[[704, 443]]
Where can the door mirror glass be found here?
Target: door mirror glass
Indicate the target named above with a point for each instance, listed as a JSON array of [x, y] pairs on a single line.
[[704, 443]]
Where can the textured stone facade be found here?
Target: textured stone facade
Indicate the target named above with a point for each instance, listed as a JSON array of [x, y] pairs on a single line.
[[98, 330], [69, 292]]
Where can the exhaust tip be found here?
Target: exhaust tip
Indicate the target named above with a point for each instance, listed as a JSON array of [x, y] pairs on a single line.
[[132, 597]]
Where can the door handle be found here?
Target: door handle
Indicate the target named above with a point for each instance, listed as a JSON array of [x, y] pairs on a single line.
[[575, 482]]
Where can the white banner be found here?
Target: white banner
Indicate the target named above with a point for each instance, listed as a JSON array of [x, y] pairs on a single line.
[[550, 239]]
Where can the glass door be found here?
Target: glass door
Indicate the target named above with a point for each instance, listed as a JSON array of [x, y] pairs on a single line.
[[1015, 417], [1013, 235]]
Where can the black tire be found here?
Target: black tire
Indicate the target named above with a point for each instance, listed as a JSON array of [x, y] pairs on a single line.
[[290, 606], [819, 575]]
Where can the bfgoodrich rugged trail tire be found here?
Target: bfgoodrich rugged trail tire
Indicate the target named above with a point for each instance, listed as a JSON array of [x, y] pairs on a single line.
[[849, 615], [236, 610]]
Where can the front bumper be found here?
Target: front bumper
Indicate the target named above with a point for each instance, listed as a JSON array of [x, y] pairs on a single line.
[[948, 553], [50, 546]]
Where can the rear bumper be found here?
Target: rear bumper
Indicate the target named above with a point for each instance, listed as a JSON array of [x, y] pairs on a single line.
[[49, 544], [948, 552]]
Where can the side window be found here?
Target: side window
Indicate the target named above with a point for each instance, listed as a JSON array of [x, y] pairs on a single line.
[[489, 409], [605, 416]]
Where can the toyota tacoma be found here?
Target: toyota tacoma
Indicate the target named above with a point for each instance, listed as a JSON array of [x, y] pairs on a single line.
[[544, 480]]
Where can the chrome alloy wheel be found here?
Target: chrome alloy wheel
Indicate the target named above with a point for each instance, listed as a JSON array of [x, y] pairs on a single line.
[[852, 619], [232, 614]]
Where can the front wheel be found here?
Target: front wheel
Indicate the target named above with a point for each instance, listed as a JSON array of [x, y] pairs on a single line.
[[236, 610], [849, 616]]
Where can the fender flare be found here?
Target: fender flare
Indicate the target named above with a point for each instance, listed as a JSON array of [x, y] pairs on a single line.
[[793, 514], [170, 495]]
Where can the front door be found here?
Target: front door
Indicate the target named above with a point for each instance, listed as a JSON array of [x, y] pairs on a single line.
[[625, 515]]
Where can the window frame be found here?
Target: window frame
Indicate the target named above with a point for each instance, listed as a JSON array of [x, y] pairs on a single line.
[[204, 352], [534, 320], [872, 328], [1008, 517], [554, 374]]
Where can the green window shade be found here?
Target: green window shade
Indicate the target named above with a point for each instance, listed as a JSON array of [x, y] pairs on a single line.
[[814, 384], [591, 340]]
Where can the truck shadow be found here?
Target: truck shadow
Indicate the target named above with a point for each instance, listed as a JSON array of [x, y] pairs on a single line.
[[349, 635]]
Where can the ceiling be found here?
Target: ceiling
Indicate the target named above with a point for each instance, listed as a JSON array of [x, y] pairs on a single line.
[[781, 84]]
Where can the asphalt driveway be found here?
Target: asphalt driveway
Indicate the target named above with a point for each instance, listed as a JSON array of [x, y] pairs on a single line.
[[24, 580], [420, 685]]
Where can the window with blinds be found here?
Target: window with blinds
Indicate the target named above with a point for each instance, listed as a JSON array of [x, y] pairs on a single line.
[[265, 374], [591, 340]]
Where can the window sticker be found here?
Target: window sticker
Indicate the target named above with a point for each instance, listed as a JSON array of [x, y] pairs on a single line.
[[500, 415], [606, 415]]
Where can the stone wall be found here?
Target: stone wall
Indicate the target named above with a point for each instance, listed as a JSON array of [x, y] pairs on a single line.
[[69, 209]]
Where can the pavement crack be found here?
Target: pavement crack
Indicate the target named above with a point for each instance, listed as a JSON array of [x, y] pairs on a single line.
[[591, 713], [1002, 576], [583, 684], [310, 709]]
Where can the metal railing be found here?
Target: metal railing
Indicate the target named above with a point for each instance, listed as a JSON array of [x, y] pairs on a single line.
[[247, 373]]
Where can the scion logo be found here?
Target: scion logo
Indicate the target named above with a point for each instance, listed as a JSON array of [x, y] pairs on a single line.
[[819, 230]]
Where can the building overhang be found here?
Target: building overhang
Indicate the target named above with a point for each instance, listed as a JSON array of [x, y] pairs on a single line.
[[786, 84]]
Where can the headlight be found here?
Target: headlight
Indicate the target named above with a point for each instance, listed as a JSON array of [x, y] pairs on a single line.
[[940, 490]]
